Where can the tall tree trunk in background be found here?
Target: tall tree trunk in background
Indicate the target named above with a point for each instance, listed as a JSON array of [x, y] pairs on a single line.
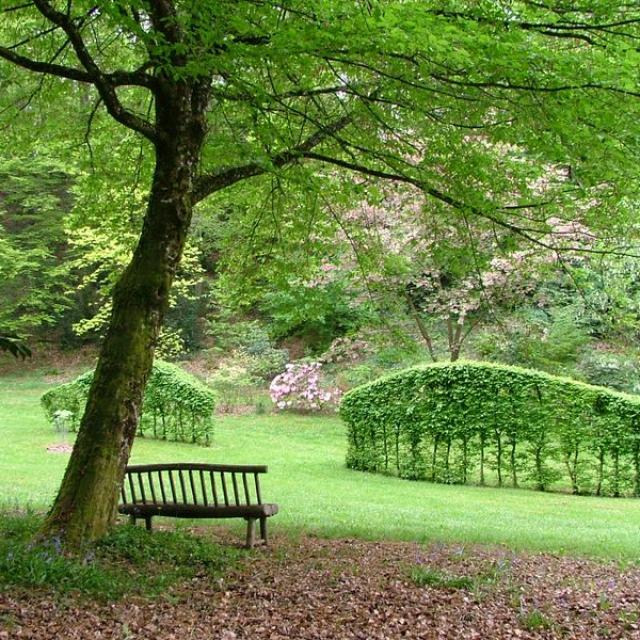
[[422, 328], [454, 336], [86, 504]]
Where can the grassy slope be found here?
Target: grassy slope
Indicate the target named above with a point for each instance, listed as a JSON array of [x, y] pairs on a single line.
[[318, 494]]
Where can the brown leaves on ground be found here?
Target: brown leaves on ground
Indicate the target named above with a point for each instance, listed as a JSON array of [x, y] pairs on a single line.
[[342, 589]]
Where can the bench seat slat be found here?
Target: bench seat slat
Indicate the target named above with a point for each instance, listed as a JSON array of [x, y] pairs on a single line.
[[213, 488], [182, 487], [143, 495], [247, 497], [151, 487], [178, 510], [162, 491], [224, 488], [131, 488], [173, 486], [257, 482]]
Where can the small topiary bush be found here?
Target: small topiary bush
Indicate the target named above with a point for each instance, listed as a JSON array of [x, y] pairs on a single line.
[[176, 405], [479, 422]]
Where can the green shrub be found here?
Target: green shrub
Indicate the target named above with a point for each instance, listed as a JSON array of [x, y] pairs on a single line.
[[232, 334], [231, 382], [357, 375], [478, 422], [70, 397], [537, 340], [397, 356], [176, 405], [249, 344], [610, 370], [268, 364]]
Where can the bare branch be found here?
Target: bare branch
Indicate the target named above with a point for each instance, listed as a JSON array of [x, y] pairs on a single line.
[[352, 166], [533, 88], [33, 37], [87, 133], [555, 29]]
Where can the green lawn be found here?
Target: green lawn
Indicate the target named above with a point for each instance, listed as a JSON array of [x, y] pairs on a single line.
[[316, 492]]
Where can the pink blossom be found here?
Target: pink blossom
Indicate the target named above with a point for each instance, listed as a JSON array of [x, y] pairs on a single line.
[[298, 387]]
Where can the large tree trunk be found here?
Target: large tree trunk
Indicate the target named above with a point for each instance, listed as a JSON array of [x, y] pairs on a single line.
[[86, 504]]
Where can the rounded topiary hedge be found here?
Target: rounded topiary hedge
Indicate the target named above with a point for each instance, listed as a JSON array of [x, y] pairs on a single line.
[[475, 422], [176, 405]]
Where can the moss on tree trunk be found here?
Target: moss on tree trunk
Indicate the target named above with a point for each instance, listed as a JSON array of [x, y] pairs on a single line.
[[86, 504]]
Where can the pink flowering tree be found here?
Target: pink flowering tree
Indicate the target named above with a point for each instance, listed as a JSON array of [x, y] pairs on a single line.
[[299, 388], [464, 303], [453, 274]]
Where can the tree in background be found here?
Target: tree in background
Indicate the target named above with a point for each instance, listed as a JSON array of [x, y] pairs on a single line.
[[34, 280], [392, 254], [434, 269], [230, 91], [101, 247], [14, 345]]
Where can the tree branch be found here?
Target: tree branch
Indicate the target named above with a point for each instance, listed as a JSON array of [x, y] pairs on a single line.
[[61, 71], [207, 184], [533, 88], [557, 29], [105, 83], [17, 7], [376, 173], [454, 203]]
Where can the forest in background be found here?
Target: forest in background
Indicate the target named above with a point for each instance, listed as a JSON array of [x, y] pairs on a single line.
[[333, 262], [378, 285]]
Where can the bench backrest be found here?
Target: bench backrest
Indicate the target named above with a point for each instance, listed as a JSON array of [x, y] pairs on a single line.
[[192, 484]]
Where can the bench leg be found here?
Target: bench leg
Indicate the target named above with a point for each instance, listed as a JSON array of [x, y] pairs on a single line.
[[251, 533], [132, 520], [147, 523], [263, 530]]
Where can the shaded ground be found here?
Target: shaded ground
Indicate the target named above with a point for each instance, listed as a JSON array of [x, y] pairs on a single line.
[[312, 589]]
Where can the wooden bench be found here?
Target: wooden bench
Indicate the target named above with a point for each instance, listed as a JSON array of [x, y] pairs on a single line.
[[193, 490]]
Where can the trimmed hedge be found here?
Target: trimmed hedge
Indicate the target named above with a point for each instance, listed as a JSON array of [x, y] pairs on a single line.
[[176, 405], [475, 422]]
